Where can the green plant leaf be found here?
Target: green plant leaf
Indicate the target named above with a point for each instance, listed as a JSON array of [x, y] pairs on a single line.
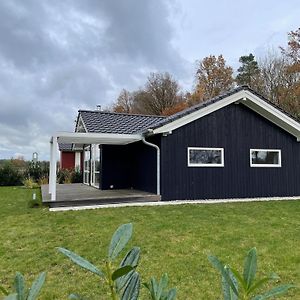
[[162, 285], [11, 297], [250, 266], [171, 294], [3, 290], [132, 257], [119, 240], [20, 286], [81, 261], [121, 272], [36, 286], [227, 290], [239, 277], [279, 290], [220, 267], [132, 289], [258, 284]]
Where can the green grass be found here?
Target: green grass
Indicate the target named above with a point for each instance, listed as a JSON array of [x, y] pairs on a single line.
[[173, 239]]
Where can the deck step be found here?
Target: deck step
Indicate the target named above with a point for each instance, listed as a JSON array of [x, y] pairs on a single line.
[[88, 202]]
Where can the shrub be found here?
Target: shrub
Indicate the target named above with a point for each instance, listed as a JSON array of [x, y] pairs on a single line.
[[10, 175], [43, 180], [21, 292], [30, 184], [77, 176], [123, 281], [244, 286], [69, 176], [37, 170]]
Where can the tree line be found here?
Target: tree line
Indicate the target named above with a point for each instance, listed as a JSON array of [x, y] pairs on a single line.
[[275, 76]]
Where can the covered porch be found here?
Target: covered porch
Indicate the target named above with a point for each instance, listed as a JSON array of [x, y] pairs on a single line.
[[81, 194], [78, 194]]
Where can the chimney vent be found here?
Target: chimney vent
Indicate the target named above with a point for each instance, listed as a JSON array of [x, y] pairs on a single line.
[[98, 107]]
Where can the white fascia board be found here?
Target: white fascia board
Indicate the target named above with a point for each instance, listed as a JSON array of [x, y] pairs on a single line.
[[97, 138], [272, 114], [80, 120], [200, 113]]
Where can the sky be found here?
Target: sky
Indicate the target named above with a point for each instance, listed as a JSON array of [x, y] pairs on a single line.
[[57, 57]]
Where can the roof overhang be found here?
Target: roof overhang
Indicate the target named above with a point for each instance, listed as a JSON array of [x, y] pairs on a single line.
[[96, 138], [246, 98]]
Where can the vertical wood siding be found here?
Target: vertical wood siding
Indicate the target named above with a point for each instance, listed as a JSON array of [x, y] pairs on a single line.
[[129, 166], [236, 129]]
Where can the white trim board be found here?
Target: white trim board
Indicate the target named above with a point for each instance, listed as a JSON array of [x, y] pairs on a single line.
[[253, 165], [175, 202], [96, 138], [203, 165], [246, 98]]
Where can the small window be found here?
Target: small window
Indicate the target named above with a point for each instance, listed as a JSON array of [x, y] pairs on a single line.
[[265, 158], [205, 157]]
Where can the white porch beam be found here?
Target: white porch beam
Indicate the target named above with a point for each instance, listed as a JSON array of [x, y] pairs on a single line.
[[50, 167], [54, 166], [97, 138]]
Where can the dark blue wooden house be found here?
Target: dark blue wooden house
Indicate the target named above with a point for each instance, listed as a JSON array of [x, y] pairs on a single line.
[[238, 145]]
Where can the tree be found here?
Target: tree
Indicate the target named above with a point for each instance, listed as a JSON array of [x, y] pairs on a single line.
[[162, 93], [125, 102], [278, 84], [248, 72], [292, 55], [213, 78]]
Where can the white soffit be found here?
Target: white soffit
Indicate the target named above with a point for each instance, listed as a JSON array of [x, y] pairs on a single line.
[[247, 98], [96, 138]]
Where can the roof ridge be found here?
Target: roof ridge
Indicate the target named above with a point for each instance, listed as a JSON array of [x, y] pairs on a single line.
[[120, 113]]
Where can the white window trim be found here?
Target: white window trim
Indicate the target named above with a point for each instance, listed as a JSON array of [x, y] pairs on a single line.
[[252, 165], [205, 165]]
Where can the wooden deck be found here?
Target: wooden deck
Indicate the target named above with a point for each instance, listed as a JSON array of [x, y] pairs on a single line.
[[78, 194]]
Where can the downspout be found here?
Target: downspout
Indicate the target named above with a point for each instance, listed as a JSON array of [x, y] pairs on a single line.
[[157, 164]]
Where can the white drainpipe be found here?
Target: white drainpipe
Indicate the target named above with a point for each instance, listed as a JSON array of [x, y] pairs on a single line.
[[157, 164]]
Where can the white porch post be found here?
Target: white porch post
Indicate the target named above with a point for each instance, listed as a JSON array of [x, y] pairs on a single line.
[[50, 167], [53, 169]]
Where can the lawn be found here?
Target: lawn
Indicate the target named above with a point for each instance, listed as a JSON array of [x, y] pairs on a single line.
[[173, 239]]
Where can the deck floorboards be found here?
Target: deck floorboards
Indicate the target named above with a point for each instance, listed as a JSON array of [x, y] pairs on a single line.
[[78, 194]]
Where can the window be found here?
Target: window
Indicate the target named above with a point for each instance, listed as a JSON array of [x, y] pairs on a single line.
[[205, 157], [265, 158]]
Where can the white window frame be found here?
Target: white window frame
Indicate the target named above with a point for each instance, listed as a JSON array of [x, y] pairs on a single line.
[[252, 165], [205, 165]]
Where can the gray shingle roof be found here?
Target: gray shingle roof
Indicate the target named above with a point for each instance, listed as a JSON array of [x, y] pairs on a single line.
[[108, 122], [65, 147]]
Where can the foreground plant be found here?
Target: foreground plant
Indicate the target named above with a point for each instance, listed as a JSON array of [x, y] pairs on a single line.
[[123, 281], [20, 290], [244, 286], [159, 290]]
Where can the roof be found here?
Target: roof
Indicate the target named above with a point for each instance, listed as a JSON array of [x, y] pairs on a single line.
[[65, 147], [214, 100], [122, 123], [119, 123]]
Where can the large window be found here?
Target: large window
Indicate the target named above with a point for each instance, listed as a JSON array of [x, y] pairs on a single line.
[[205, 157], [265, 158]]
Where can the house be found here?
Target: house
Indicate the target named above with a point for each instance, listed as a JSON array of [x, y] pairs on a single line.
[[70, 158], [238, 145]]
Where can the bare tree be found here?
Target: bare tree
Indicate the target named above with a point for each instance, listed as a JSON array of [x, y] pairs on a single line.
[[124, 103], [161, 92]]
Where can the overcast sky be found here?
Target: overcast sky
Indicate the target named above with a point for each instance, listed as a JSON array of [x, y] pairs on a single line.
[[60, 56]]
